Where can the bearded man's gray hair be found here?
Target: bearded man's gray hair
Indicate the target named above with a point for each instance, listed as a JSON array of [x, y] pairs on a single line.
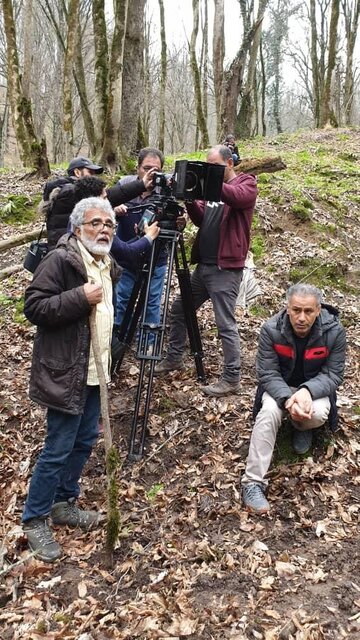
[[78, 214]]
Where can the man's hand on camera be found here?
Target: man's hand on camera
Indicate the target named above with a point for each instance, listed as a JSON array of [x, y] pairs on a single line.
[[181, 222], [148, 178], [121, 210], [151, 231]]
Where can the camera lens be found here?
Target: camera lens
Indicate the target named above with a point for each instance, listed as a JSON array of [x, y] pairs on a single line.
[[191, 181]]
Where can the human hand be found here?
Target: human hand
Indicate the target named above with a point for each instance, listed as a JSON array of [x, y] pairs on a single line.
[[121, 210], [148, 179], [93, 293], [152, 231], [181, 223], [300, 405]]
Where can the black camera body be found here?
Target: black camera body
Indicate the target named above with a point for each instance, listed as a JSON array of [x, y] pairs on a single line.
[[191, 180]]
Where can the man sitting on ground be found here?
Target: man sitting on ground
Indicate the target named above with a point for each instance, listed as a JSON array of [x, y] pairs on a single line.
[[300, 364]]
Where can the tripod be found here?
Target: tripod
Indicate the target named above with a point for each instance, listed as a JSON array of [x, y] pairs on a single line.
[[151, 338]]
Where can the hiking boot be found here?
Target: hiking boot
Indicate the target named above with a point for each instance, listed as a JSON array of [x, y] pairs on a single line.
[[221, 388], [41, 540], [167, 365], [254, 498], [67, 513], [301, 440]]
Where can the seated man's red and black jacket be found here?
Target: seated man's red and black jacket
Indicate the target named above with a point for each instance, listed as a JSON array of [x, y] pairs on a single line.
[[323, 359]]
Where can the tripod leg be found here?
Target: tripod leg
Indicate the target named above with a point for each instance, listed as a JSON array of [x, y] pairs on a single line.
[[192, 326], [143, 394]]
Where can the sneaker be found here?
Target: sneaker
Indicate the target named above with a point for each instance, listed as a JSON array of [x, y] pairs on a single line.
[[68, 513], [221, 388], [301, 440], [167, 365], [254, 498], [41, 540]]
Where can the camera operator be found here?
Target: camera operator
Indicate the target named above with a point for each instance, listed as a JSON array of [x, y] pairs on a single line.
[[220, 249], [60, 195], [150, 160]]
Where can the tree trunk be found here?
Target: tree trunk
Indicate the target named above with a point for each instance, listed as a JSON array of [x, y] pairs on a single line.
[[246, 112], [351, 18], [218, 61], [132, 81], [32, 151], [72, 20], [205, 57], [28, 39], [109, 154], [161, 143], [101, 70], [200, 118], [314, 63], [80, 81], [326, 113]]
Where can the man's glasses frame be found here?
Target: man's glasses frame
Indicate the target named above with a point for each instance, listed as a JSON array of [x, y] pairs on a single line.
[[100, 225]]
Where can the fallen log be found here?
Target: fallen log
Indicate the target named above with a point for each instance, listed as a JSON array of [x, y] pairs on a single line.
[[8, 271], [260, 165], [23, 238]]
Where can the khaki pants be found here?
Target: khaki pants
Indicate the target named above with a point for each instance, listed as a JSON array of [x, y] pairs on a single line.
[[263, 437]]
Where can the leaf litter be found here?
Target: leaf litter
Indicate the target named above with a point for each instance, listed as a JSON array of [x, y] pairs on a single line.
[[190, 562]]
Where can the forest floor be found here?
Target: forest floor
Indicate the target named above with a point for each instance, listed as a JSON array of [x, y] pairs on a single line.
[[190, 562]]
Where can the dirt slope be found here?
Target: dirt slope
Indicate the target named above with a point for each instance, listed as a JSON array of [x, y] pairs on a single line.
[[190, 562]]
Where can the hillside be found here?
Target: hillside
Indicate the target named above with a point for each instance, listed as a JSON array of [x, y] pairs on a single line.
[[190, 562]]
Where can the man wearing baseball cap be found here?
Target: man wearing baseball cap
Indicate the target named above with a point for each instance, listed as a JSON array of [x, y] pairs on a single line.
[[80, 167]]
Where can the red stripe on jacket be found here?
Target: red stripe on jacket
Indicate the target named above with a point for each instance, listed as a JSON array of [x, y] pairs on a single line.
[[316, 353], [284, 350]]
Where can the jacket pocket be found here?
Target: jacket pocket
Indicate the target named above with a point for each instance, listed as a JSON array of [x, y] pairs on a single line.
[[55, 380]]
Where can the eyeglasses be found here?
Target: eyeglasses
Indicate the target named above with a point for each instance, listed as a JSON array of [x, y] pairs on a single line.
[[99, 225]]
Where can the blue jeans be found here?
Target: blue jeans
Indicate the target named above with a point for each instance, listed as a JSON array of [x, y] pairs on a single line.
[[68, 444], [125, 287]]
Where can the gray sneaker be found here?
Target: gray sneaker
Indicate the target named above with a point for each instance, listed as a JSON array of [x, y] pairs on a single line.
[[254, 498], [221, 388], [167, 365], [67, 513], [301, 440], [41, 540]]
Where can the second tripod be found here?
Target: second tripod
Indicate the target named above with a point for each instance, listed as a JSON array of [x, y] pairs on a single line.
[[151, 337]]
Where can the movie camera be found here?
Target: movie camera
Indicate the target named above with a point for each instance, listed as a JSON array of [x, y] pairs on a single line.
[[191, 180]]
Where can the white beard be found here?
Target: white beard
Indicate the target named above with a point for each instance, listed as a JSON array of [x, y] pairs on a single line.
[[93, 247]]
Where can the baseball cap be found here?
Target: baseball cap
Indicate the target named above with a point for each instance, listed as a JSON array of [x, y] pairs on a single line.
[[83, 163]]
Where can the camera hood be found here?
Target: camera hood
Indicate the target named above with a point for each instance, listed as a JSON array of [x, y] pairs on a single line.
[[195, 180]]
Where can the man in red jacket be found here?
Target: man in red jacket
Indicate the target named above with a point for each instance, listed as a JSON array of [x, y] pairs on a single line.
[[220, 250]]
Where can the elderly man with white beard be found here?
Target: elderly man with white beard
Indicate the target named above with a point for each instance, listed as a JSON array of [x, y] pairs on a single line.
[[71, 280]]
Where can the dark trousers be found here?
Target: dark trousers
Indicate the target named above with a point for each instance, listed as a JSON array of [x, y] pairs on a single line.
[[222, 287]]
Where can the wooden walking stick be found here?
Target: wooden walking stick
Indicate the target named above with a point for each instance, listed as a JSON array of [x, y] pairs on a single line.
[[111, 453]]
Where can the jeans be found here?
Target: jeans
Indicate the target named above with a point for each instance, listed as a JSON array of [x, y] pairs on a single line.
[[68, 445], [222, 287], [263, 437], [125, 287]]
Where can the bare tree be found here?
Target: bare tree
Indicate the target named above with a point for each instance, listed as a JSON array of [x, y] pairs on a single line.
[[32, 150], [72, 19], [218, 61], [351, 11], [245, 116], [109, 153], [161, 143], [200, 117]]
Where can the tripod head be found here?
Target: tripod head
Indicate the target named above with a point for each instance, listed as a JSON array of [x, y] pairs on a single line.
[[160, 208]]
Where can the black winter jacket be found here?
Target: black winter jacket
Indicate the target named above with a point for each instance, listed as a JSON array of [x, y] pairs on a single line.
[[324, 359], [61, 203], [55, 301]]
